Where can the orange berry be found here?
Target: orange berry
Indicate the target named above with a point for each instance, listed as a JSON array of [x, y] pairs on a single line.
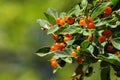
[[62, 45], [75, 78], [90, 20], [66, 39], [54, 63], [79, 61], [74, 54], [107, 33], [66, 18], [52, 48], [102, 39], [110, 48], [57, 46], [90, 25], [82, 22], [55, 37], [108, 10], [78, 48], [69, 36], [60, 21], [70, 20], [92, 39], [118, 53], [53, 59]]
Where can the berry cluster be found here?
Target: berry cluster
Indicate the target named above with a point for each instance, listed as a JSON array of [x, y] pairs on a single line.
[[57, 46], [87, 34]]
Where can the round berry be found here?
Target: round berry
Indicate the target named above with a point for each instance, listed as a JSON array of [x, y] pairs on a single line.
[[70, 20], [69, 36], [58, 20], [75, 78], [62, 22], [102, 39], [108, 10], [79, 61], [55, 37], [52, 48], [118, 53], [53, 59], [78, 48], [90, 25], [107, 33], [66, 39], [110, 48], [74, 54], [54, 64], [82, 22]]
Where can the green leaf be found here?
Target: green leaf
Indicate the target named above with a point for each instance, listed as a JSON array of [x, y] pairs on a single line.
[[115, 2], [50, 18], [71, 30], [43, 23], [85, 44], [65, 53], [67, 59], [105, 73], [116, 43], [43, 51], [70, 42], [53, 29], [59, 30], [75, 11], [52, 12], [86, 33], [63, 14], [56, 69], [100, 9], [103, 21], [91, 49], [84, 4], [111, 58]]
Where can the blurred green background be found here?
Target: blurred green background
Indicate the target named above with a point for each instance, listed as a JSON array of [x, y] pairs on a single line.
[[21, 36]]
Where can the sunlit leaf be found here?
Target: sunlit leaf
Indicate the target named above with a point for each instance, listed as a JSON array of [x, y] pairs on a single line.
[[43, 51], [116, 43], [85, 44], [52, 12], [67, 59], [111, 58], [71, 30], [50, 18], [65, 53], [53, 29], [43, 23], [63, 14], [100, 9], [84, 4]]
